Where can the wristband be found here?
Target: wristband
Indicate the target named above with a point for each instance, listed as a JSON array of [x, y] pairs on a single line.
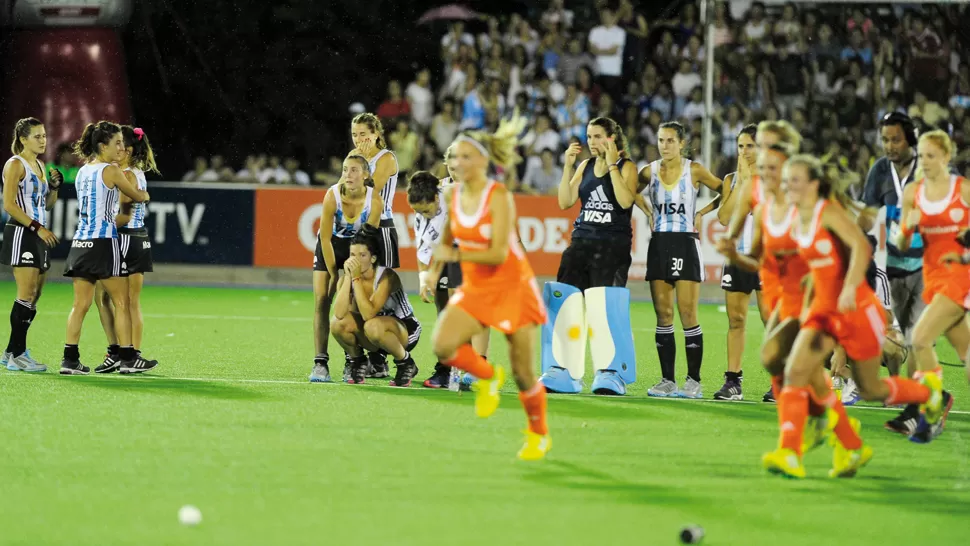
[[34, 226]]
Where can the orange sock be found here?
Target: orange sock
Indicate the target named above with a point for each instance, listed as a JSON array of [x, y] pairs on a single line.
[[776, 385], [905, 391], [843, 429], [793, 412], [468, 360], [818, 402], [534, 402]]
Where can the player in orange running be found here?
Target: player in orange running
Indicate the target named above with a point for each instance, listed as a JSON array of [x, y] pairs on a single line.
[[499, 289], [774, 255], [937, 206], [844, 310]]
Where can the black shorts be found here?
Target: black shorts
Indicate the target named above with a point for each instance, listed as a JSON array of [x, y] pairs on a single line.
[[93, 259], [341, 251], [387, 245], [674, 257], [591, 263], [136, 251], [24, 248], [735, 279], [413, 328], [450, 276]]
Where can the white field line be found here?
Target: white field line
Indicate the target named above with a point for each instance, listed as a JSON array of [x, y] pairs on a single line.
[[380, 385]]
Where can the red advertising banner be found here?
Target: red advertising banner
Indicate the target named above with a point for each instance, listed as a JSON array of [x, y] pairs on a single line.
[[287, 220]]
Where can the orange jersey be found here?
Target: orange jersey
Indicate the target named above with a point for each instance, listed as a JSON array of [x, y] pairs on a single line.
[[782, 269], [757, 192], [860, 332], [940, 223], [503, 296]]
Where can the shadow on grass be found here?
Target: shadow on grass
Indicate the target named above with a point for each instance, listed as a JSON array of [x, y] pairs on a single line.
[[568, 475], [172, 387]]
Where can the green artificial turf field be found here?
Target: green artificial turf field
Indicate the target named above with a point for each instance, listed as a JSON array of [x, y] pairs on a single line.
[[228, 423]]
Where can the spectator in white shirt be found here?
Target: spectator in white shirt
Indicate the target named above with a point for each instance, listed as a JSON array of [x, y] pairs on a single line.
[[456, 36], [274, 173], [252, 172], [421, 98], [293, 173], [542, 177], [541, 136], [195, 175], [694, 109], [557, 15], [606, 43]]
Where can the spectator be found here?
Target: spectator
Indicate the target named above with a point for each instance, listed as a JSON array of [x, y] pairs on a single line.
[[683, 82], [605, 108], [495, 66], [572, 60], [572, 115], [540, 137], [431, 160], [694, 109], [557, 16], [252, 171], [421, 99], [444, 126], [827, 84], [521, 72], [550, 52], [858, 20], [405, 144], [927, 59], [66, 163], [862, 81], [395, 105], [731, 126], [824, 48], [791, 80], [929, 111], [959, 88], [543, 178], [587, 86], [220, 172], [635, 25], [606, 42], [456, 37], [858, 49], [195, 175], [849, 107], [694, 52], [663, 102], [756, 28], [274, 173], [787, 29], [723, 26], [294, 174], [526, 37], [473, 110]]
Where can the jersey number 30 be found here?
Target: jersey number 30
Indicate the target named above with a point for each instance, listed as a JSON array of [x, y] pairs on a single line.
[[676, 265]]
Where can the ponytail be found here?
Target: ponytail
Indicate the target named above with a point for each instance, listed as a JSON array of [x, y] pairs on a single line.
[[500, 145], [142, 156], [21, 130], [94, 134]]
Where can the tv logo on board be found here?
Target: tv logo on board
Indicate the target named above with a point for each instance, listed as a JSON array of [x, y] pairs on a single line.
[[64, 220]]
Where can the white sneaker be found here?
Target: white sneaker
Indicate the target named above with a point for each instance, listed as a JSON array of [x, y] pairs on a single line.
[[692, 389], [25, 363], [665, 389], [850, 393]]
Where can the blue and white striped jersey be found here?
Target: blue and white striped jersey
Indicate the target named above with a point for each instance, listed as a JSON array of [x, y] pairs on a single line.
[[747, 235], [387, 194], [342, 228], [674, 206], [138, 210], [32, 193], [96, 204]]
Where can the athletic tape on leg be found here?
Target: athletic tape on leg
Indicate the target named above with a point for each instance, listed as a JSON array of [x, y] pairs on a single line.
[[563, 338], [610, 332]]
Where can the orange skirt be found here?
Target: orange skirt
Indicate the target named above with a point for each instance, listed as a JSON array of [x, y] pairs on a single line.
[[506, 310]]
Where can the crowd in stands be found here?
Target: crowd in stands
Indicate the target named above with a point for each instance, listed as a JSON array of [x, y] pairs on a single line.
[[831, 69]]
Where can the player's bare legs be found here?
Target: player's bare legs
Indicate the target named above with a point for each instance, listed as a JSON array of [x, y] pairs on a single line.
[[324, 288]]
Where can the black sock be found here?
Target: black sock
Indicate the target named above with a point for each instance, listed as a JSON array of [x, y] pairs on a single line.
[[694, 347], [911, 410], [71, 352], [321, 360], [126, 353], [734, 376], [407, 355], [113, 349], [441, 369], [666, 351], [19, 323]]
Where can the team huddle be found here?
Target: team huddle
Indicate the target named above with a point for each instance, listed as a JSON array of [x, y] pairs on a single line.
[[110, 252], [796, 238]]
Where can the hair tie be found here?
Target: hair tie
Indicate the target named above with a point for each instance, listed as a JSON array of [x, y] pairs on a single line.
[[139, 132]]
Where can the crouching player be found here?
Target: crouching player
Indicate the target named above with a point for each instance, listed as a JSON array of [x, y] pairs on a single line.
[[844, 310], [372, 312], [590, 293], [499, 288]]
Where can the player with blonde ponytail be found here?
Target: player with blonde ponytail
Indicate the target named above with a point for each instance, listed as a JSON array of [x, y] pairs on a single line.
[[499, 288]]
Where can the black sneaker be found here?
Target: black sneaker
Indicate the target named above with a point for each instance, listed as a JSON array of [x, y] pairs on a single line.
[[111, 364], [377, 366], [926, 432], [905, 423], [440, 378], [731, 390], [769, 397], [138, 365], [358, 370], [406, 371], [74, 367]]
